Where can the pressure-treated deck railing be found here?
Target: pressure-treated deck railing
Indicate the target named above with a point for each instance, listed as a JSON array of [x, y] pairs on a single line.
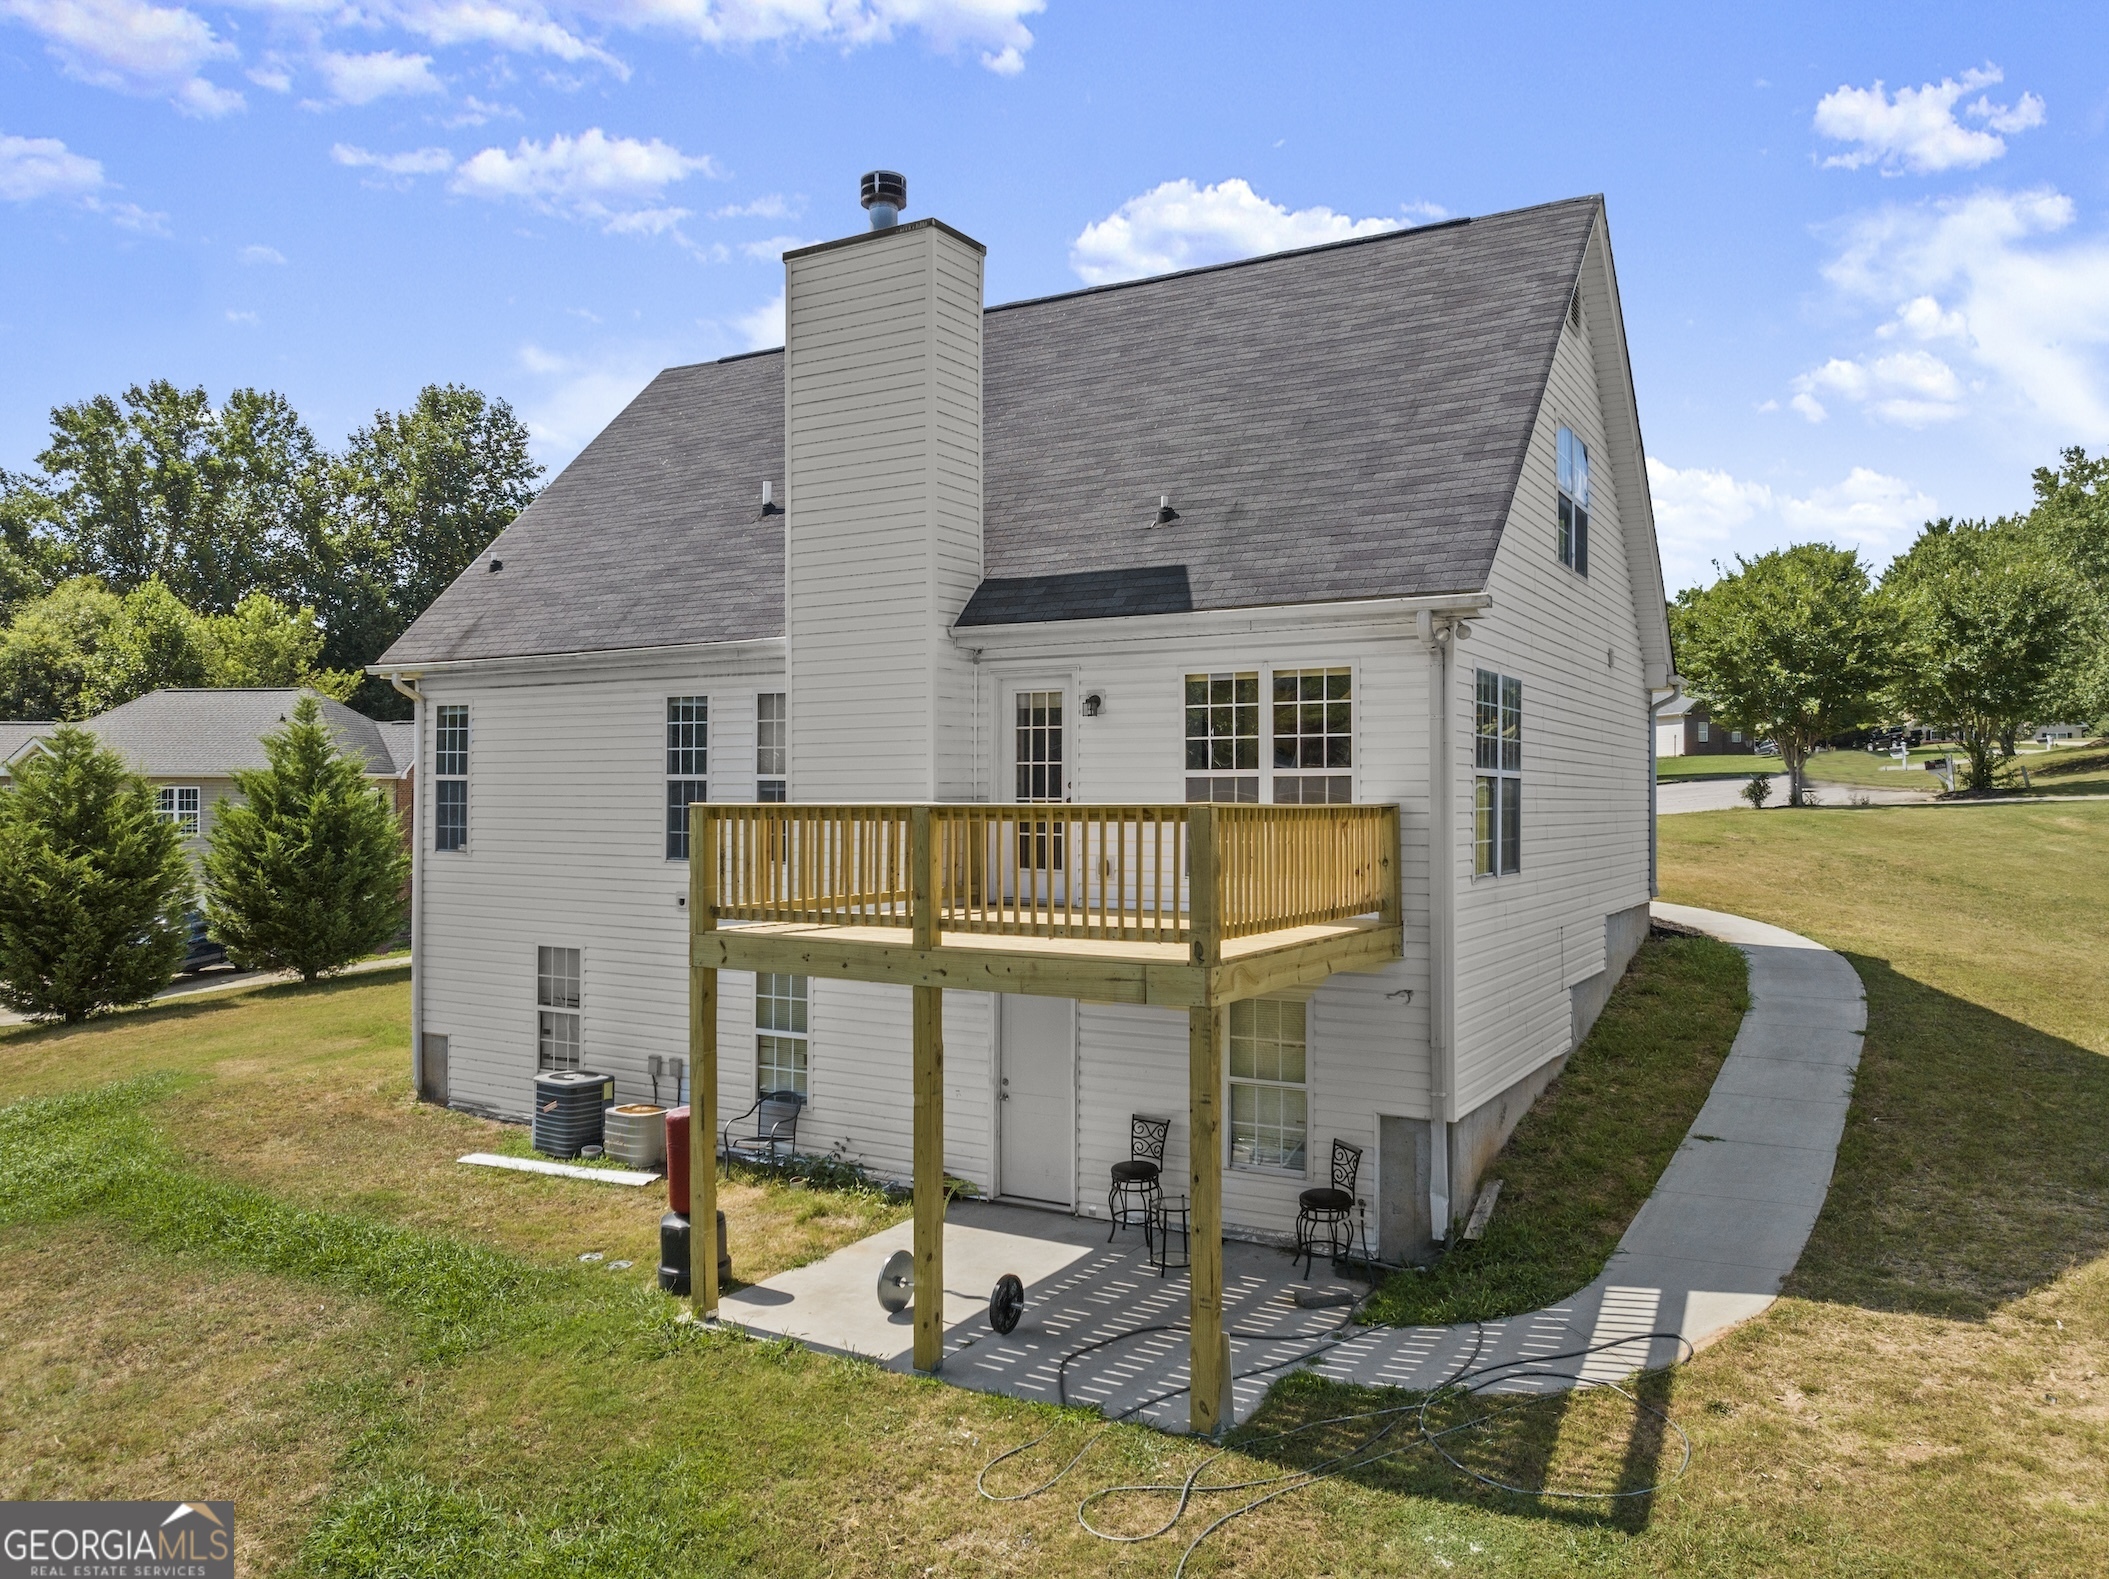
[[1107, 873]]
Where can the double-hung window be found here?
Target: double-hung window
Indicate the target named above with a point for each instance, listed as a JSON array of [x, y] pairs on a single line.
[[779, 1033], [771, 745], [450, 777], [178, 803], [1574, 502], [557, 1008], [1223, 737], [1314, 736], [1038, 758], [687, 766], [1269, 1100], [1497, 788]]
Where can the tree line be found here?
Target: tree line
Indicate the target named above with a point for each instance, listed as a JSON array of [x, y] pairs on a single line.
[[1980, 629], [167, 541], [305, 873]]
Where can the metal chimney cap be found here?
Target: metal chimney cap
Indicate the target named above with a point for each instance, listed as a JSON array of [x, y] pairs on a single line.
[[884, 195]]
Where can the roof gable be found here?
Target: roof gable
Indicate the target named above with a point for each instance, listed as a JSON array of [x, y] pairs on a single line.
[[213, 733], [1342, 422]]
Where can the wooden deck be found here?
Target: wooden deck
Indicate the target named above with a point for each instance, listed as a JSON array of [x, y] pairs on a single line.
[[1191, 907]]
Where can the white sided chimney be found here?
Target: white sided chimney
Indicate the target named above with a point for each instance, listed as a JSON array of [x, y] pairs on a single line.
[[882, 535]]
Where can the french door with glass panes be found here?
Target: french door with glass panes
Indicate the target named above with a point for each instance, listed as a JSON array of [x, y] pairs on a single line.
[[1039, 775]]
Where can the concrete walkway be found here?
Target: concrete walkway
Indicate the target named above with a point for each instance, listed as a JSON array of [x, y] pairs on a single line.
[[222, 979], [1708, 1249], [1679, 795], [1727, 1219]]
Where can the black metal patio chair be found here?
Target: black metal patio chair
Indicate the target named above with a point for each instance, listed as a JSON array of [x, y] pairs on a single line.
[[1138, 1182], [1329, 1207], [770, 1129]]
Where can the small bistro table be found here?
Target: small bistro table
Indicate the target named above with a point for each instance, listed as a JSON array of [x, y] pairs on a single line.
[[1169, 1215]]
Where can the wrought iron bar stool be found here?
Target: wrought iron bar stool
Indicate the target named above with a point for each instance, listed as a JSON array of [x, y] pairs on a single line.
[[1138, 1182], [1329, 1207]]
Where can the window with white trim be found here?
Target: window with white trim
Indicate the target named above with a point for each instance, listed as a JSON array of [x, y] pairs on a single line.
[[772, 743], [1497, 788], [1269, 1098], [178, 803], [780, 1038], [1574, 502], [450, 777], [1314, 736], [1038, 762], [687, 766], [1223, 737], [557, 1008]]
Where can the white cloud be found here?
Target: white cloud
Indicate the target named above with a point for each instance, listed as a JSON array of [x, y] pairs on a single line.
[[33, 167], [771, 248], [246, 319], [1993, 278], [515, 26], [1917, 130], [418, 161], [360, 79], [615, 180], [133, 47], [1703, 515], [772, 206], [762, 329], [1908, 388], [1180, 225], [130, 216], [580, 396], [994, 29], [260, 254]]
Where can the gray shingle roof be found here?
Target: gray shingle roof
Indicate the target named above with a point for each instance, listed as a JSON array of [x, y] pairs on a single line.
[[14, 735], [210, 733], [1343, 422]]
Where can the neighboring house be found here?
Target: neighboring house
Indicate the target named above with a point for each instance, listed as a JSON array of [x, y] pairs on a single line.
[[18, 739], [190, 743], [1683, 729], [1213, 536]]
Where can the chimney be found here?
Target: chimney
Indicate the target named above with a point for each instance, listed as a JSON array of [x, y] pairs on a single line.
[[882, 489]]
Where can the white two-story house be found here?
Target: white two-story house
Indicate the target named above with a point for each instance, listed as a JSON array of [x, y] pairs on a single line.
[[1361, 525]]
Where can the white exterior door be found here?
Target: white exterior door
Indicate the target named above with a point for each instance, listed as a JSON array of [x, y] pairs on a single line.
[[1037, 1099]]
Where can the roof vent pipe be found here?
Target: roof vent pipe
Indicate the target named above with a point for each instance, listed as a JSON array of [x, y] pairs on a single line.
[[885, 194]]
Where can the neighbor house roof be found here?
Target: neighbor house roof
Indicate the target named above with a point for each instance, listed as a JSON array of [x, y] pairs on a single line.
[[211, 733], [1343, 422], [14, 735]]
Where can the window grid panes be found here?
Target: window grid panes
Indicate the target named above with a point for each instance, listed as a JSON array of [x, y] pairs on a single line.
[[1038, 751], [1314, 733], [780, 1045], [450, 774], [178, 803], [1497, 790], [557, 1040], [1574, 501], [687, 766], [1269, 1098], [771, 745], [1223, 737]]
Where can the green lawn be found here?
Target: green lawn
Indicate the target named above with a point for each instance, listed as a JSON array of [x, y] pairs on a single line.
[[242, 1262], [1725, 766]]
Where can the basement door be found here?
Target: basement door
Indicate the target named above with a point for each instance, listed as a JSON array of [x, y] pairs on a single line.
[[1037, 1055]]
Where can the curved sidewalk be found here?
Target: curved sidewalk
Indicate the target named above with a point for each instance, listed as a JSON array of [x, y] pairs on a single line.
[[1727, 1219]]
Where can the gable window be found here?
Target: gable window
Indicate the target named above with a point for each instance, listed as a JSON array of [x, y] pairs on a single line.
[[1497, 789], [771, 745], [450, 777], [556, 1008], [1223, 737], [1313, 736], [178, 803], [1269, 1101], [779, 1033], [687, 766], [1574, 502]]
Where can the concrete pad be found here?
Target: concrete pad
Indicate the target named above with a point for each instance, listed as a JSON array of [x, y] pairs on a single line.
[[1772, 1121], [1780, 1077], [1750, 1172]]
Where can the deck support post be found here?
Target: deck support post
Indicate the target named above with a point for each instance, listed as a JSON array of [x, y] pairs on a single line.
[[929, 1142], [702, 1064], [1207, 1023]]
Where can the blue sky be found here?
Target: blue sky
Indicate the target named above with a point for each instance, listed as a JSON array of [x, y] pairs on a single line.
[[1864, 250]]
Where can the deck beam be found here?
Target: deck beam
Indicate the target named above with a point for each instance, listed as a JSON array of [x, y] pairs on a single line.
[[702, 1072], [929, 1122]]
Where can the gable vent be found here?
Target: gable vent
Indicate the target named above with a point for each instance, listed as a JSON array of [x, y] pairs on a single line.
[[1574, 307]]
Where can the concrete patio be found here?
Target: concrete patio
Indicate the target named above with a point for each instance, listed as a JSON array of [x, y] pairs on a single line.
[[1079, 1290]]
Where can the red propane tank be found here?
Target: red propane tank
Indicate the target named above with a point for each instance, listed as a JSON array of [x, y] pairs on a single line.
[[677, 1159]]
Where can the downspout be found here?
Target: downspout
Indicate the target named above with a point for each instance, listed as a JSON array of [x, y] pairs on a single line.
[[1676, 689], [419, 794], [1442, 924]]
